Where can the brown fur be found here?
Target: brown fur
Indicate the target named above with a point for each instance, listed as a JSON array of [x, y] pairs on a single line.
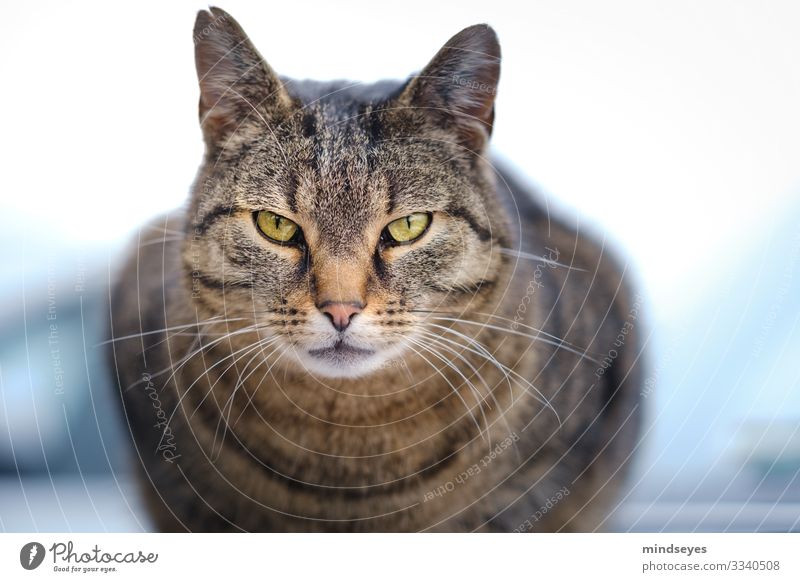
[[272, 440]]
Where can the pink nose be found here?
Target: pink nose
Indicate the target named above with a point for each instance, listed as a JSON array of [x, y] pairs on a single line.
[[340, 313]]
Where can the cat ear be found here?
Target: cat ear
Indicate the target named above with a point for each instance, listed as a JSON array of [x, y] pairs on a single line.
[[457, 89], [235, 81]]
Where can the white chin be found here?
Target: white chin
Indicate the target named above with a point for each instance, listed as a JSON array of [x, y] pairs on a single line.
[[335, 366]]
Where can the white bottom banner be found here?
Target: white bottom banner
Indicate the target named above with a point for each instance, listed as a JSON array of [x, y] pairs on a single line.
[[451, 557]]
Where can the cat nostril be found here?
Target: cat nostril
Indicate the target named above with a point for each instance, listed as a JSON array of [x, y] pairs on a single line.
[[340, 314]]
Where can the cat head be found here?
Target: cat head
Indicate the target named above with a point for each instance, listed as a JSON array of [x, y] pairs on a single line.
[[341, 214]]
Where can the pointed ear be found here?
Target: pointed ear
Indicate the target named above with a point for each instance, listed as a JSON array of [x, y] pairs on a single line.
[[235, 81], [458, 87]]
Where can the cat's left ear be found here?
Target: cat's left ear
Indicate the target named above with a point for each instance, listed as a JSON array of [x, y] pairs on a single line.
[[235, 81], [457, 89]]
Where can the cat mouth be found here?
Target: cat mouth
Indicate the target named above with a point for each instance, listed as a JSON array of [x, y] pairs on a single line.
[[342, 359], [341, 352]]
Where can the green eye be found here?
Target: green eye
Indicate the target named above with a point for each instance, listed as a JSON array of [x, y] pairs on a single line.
[[276, 227], [409, 227]]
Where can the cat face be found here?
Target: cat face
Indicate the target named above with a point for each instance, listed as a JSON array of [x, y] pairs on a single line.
[[339, 215]]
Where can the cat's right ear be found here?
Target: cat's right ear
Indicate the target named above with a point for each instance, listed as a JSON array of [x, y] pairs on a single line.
[[235, 81], [457, 89]]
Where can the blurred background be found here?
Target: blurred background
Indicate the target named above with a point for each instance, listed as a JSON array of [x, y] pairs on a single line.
[[672, 130]]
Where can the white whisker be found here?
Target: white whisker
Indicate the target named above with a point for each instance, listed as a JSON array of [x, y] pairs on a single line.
[[258, 386], [538, 258], [438, 340], [525, 383], [211, 321], [557, 343], [453, 388], [239, 383]]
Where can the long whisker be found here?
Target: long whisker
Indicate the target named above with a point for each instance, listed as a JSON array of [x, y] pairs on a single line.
[[438, 341], [183, 361], [525, 383], [247, 349], [258, 386], [172, 366], [166, 240], [237, 356], [255, 328], [538, 331], [211, 321], [482, 353], [538, 258], [229, 402], [198, 335], [163, 229], [479, 398], [559, 344], [453, 388]]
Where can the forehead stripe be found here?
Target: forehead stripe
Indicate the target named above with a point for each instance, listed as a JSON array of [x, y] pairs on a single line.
[[211, 217]]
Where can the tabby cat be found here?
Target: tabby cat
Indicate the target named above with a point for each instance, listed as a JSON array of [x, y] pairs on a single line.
[[358, 323]]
